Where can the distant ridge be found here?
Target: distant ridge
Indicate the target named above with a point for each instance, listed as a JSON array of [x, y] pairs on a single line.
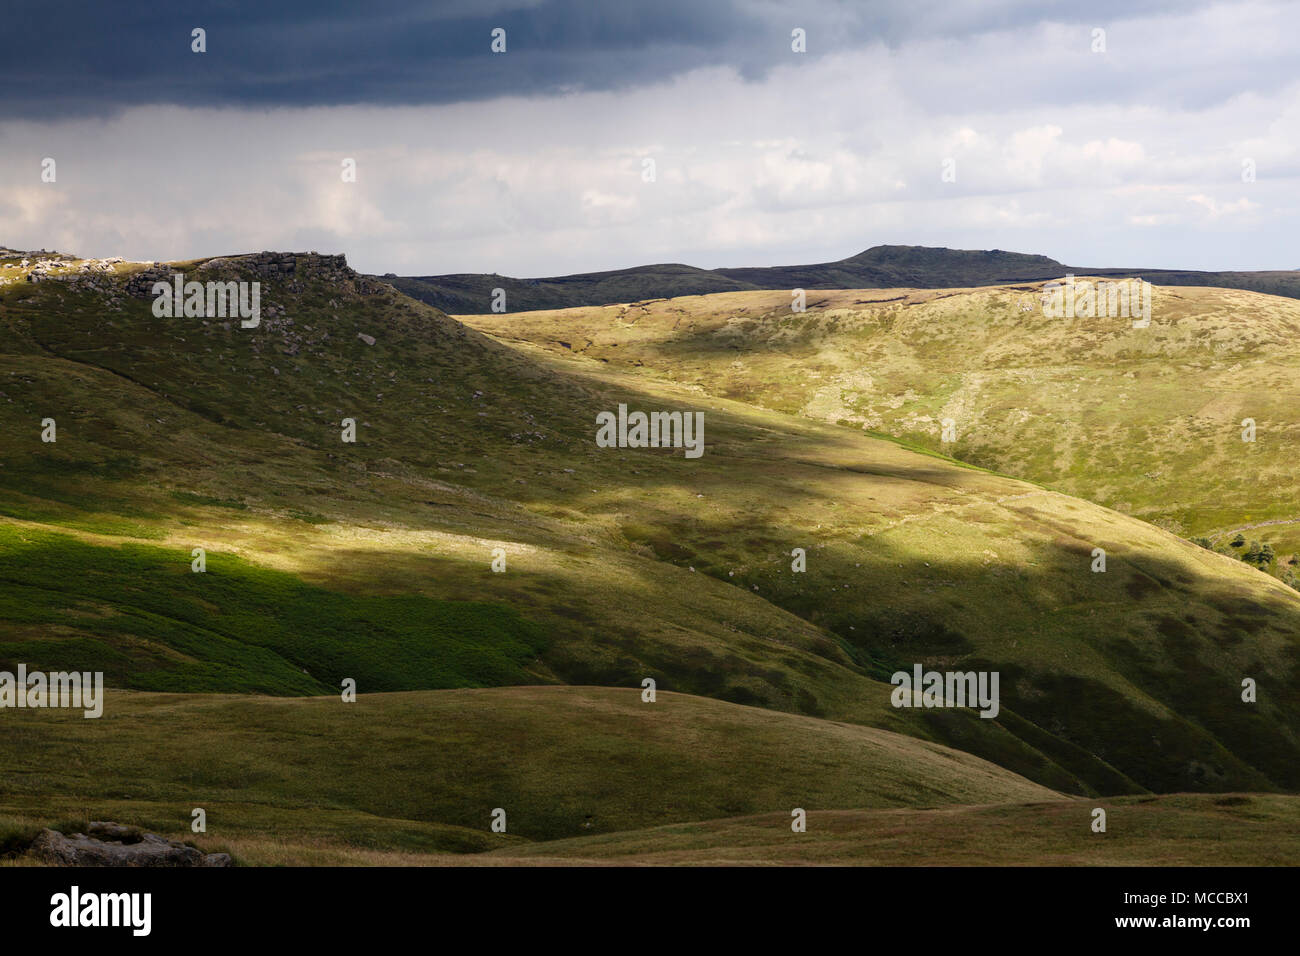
[[880, 267]]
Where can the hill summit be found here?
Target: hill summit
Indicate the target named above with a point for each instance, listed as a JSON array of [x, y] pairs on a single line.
[[921, 257]]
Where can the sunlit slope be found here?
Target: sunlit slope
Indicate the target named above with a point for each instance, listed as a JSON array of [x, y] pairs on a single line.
[[561, 761], [1148, 421], [627, 563]]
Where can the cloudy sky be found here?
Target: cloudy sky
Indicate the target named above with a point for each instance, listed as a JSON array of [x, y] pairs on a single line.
[[1128, 148]]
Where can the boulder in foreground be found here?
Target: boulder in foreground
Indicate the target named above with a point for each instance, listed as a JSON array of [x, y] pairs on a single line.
[[112, 844]]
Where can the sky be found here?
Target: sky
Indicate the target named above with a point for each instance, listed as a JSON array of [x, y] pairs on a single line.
[[612, 134]]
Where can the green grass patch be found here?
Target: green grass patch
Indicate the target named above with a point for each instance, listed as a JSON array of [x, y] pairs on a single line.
[[143, 617]]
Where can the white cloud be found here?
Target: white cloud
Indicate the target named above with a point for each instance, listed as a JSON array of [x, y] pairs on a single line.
[[1217, 209], [1057, 151]]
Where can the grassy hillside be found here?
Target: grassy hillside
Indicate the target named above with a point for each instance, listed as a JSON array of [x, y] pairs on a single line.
[[1146, 421], [139, 614], [425, 770], [1173, 830], [375, 558]]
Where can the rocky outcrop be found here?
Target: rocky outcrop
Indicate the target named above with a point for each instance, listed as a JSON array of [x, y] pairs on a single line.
[[112, 844], [140, 284], [288, 268], [287, 273], [280, 264]]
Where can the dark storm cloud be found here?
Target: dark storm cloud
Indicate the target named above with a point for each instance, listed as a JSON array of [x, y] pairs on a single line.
[[77, 58]]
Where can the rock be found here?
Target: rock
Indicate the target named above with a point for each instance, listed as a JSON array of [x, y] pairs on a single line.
[[112, 844], [140, 285], [368, 339]]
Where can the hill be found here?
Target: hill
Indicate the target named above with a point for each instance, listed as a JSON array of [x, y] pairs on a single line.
[[473, 292], [424, 770], [1148, 421], [374, 559], [880, 267]]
